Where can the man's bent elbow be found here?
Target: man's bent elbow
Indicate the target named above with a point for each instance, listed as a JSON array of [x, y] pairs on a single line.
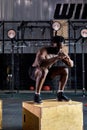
[[71, 64]]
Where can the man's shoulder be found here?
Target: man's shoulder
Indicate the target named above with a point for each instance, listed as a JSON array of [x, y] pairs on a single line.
[[48, 49], [43, 49]]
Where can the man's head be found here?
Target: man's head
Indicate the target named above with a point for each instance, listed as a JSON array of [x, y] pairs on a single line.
[[57, 41]]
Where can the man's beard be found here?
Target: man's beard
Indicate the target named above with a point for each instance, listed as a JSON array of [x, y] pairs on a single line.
[[52, 50]]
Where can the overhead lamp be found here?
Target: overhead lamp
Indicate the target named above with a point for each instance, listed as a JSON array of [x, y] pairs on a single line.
[[11, 33], [56, 25], [84, 33]]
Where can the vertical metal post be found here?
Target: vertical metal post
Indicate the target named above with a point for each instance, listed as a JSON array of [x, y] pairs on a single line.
[[75, 67], [12, 65], [69, 54], [75, 61], [83, 69], [3, 39]]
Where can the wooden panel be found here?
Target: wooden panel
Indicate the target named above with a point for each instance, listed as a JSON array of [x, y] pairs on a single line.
[[30, 121], [53, 115], [63, 31]]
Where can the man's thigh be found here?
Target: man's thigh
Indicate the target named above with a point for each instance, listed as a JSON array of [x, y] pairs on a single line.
[[55, 71]]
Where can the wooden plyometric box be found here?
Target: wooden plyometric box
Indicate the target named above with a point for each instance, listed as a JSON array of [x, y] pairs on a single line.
[[0, 114], [52, 115]]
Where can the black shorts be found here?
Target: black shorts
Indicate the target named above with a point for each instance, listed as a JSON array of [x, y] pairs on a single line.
[[32, 72]]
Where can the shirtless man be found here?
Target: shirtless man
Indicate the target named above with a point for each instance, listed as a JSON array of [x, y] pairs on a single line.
[[43, 67]]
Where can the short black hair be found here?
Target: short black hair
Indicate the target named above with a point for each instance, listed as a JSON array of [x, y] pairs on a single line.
[[58, 39]]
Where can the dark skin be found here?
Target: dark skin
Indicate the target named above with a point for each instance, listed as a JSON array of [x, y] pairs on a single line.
[[44, 61]]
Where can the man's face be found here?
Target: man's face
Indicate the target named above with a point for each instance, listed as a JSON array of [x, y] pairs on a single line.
[[54, 44], [60, 45]]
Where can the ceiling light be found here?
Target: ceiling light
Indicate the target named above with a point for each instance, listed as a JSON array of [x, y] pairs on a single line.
[[56, 26], [84, 33], [11, 33]]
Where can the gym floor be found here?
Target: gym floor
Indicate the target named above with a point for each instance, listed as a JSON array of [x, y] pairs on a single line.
[[12, 106]]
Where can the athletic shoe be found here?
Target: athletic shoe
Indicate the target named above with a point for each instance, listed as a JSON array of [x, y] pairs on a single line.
[[37, 99], [62, 97]]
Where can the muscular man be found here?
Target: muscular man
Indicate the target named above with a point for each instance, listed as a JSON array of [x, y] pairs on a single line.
[[43, 67]]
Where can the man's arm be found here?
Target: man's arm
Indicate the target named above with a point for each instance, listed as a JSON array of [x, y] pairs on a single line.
[[49, 62], [67, 60], [44, 61]]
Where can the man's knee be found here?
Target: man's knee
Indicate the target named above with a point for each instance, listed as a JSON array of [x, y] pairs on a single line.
[[64, 75], [42, 72], [65, 71]]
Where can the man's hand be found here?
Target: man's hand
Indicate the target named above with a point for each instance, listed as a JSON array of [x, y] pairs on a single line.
[[65, 58], [62, 55]]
